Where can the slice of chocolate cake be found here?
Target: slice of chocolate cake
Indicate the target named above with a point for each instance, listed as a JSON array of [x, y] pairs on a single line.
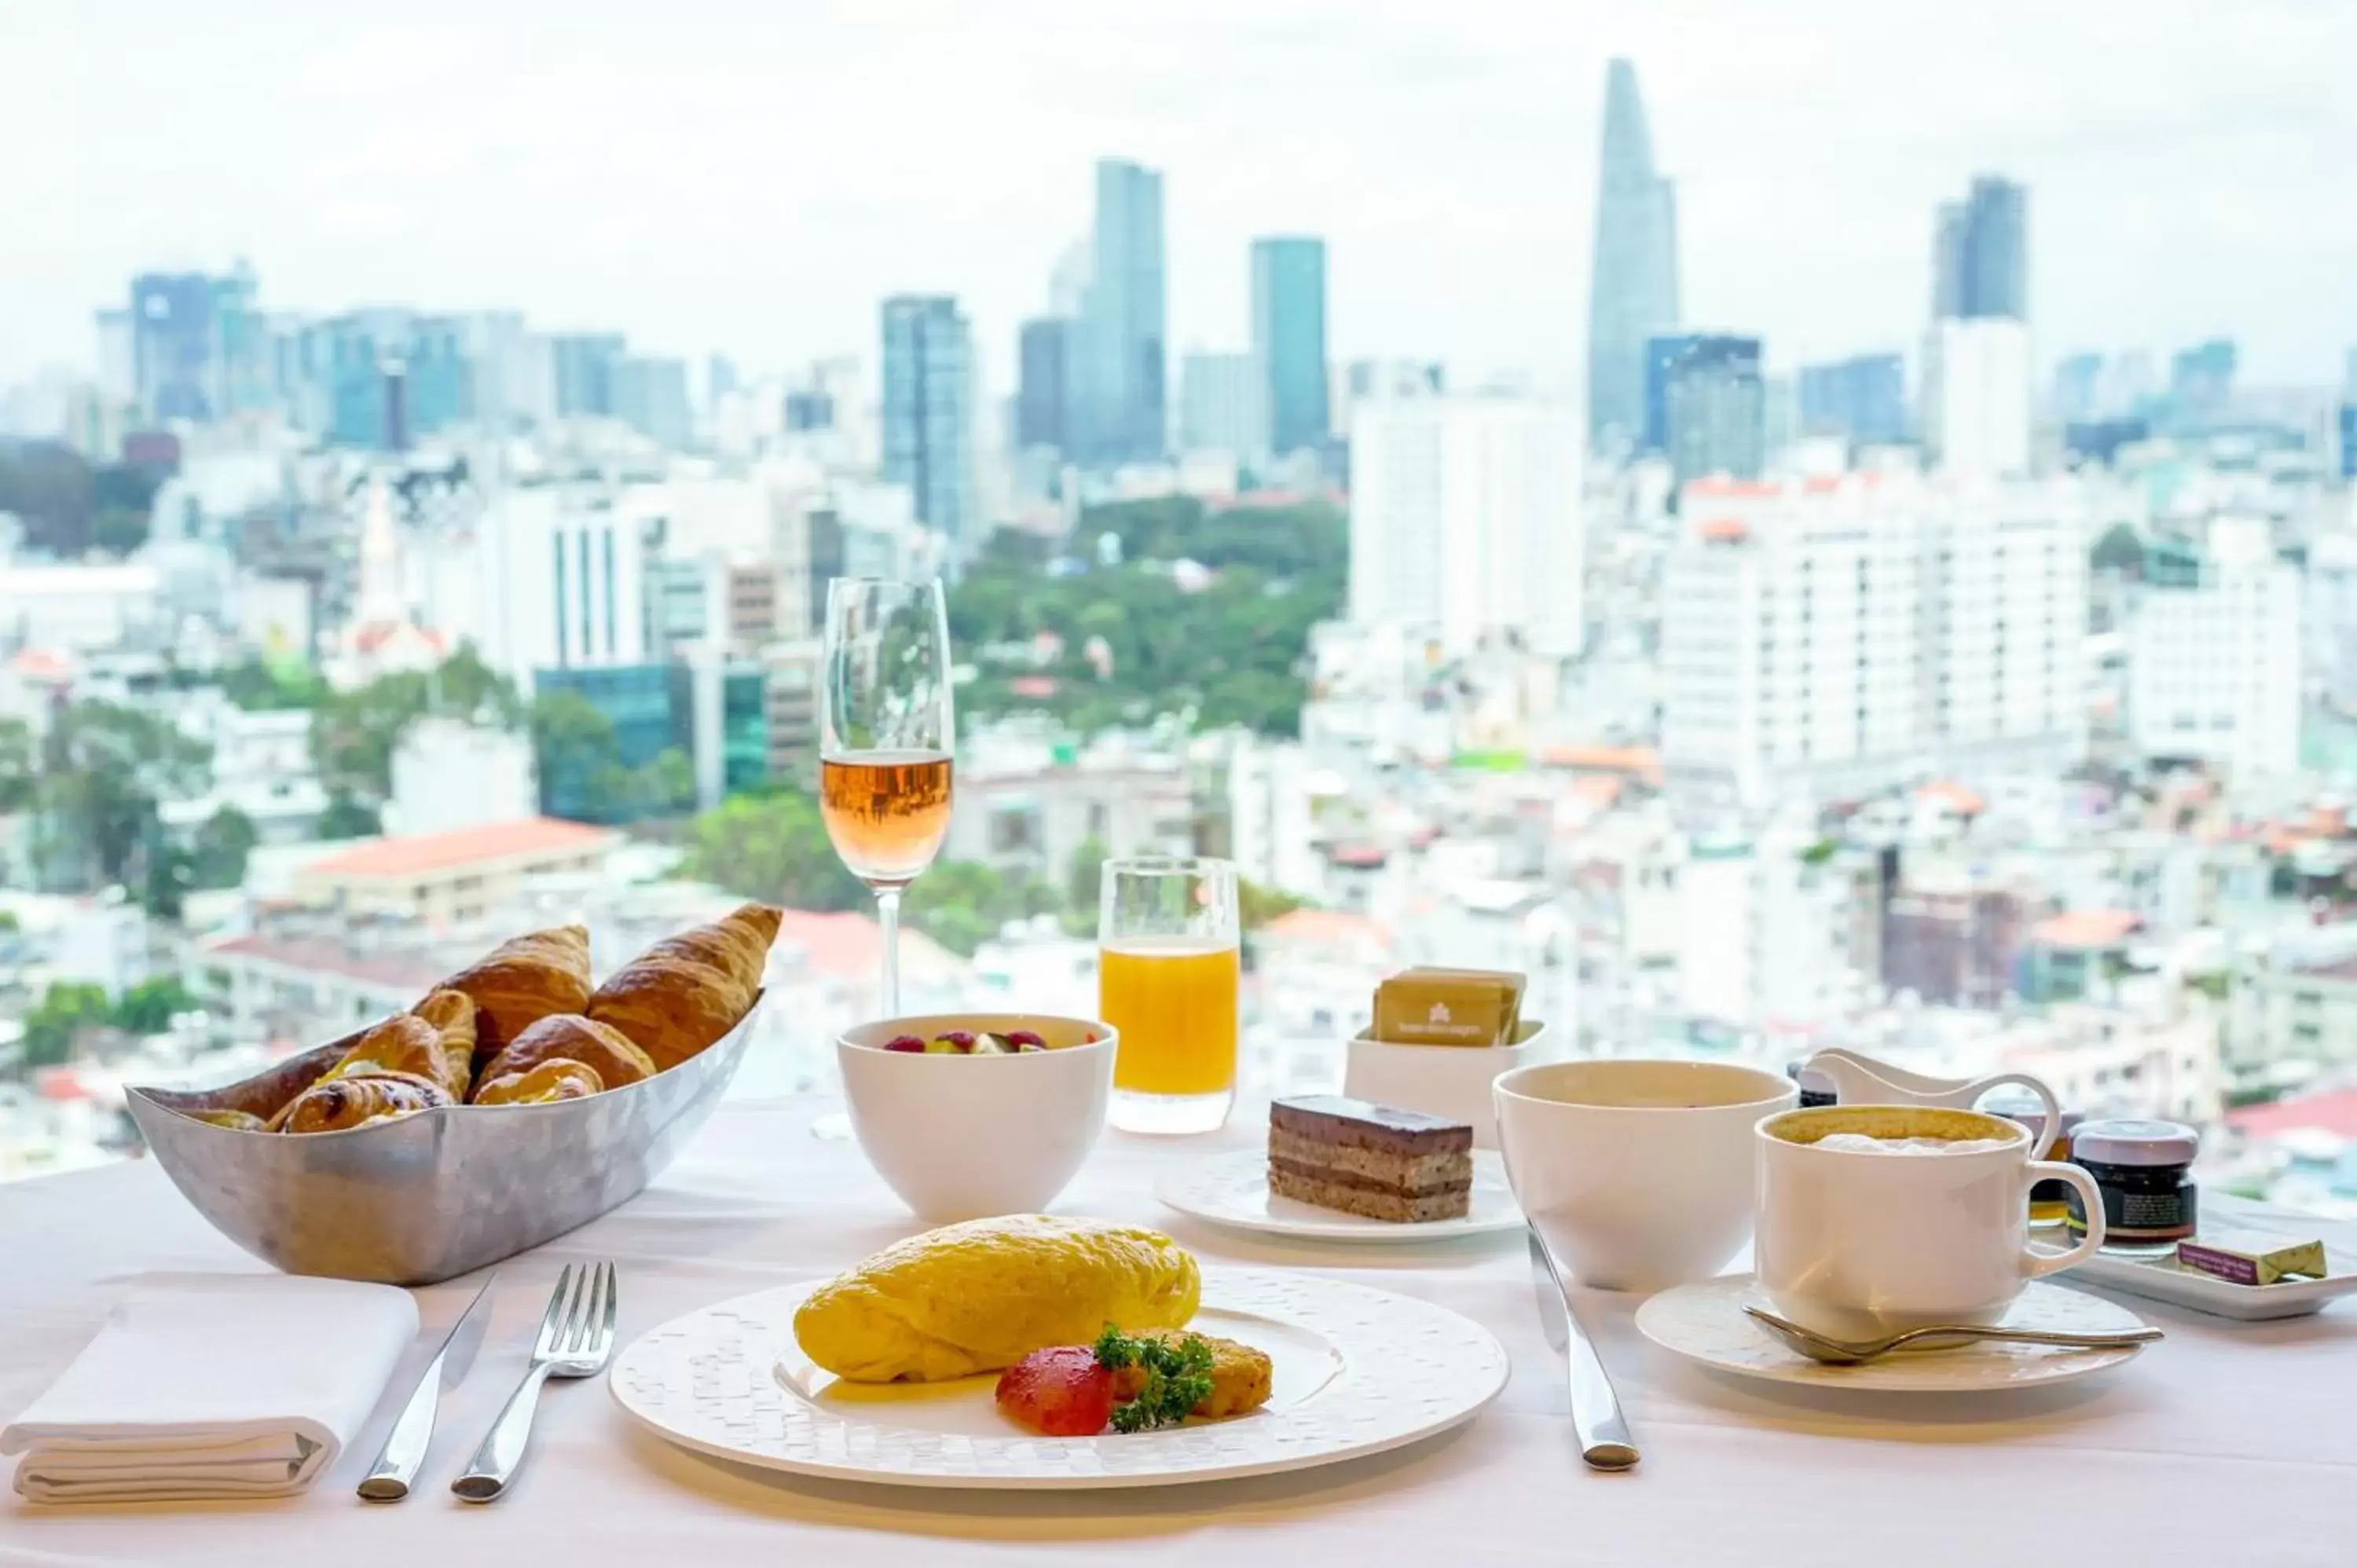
[[1370, 1159]]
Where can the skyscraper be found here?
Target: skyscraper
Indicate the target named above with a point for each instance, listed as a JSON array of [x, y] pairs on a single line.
[[928, 411], [585, 371], [1119, 361], [1634, 290], [1980, 253], [1862, 398], [1224, 405], [1711, 402], [1288, 303], [1044, 357]]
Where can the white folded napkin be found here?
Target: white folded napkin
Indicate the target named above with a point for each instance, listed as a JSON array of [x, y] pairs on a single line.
[[214, 1386]]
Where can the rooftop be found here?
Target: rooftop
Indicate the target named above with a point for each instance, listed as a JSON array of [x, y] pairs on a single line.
[[1322, 927], [848, 945], [322, 955], [421, 853], [2335, 1112], [2090, 929]]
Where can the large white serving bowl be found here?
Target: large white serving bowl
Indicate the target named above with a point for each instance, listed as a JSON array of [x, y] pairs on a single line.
[[964, 1137]]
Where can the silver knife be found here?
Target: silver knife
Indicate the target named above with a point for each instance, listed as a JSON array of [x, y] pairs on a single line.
[[405, 1444], [1604, 1440]]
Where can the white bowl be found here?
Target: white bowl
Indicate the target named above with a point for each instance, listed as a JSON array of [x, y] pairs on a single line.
[[964, 1137], [1441, 1081], [1640, 1174]]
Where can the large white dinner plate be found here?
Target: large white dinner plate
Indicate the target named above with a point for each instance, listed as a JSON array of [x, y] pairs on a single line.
[[1233, 1189], [1706, 1323], [1356, 1371]]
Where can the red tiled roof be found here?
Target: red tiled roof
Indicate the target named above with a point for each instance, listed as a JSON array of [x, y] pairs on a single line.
[[1719, 486], [1954, 795], [398, 857], [1596, 790], [2335, 1112], [1640, 760], [2086, 928], [319, 955], [1327, 926], [848, 944], [1724, 531], [61, 1083], [1359, 854]]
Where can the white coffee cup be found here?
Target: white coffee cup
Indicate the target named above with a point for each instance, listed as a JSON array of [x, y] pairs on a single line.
[[1858, 1243], [1638, 1173]]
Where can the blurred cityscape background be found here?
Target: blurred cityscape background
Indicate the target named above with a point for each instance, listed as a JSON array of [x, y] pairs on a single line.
[[1960, 685]]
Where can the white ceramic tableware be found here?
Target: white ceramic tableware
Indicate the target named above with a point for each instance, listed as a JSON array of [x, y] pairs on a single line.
[[1704, 1322], [1639, 1172], [1231, 1189], [1856, 1242], [964, 1137], [1441, 1081], [1869, 1080], [1354, 1371]]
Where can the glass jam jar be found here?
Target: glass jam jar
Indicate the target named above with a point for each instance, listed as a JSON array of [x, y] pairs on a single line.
[[2144, 1172], [2050, 1201]]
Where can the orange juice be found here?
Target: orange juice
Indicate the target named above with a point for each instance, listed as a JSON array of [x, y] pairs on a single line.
[[1174, 1002]]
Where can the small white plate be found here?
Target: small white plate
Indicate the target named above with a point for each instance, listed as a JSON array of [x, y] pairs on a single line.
[[1704, 1322], [1354, 1371], [2165, 1279], [1233, 1189]]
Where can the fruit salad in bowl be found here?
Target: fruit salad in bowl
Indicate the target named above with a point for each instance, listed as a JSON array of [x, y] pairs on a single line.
[[969, 1115]]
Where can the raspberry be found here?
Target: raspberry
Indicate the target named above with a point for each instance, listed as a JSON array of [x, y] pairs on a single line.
[[1023, 1039], [904, 1043]]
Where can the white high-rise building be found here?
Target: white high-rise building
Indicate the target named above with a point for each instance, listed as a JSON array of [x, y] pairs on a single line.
[[563, 581], [2214, 668], [1836, 637], [1465, 519], [1976, 396]]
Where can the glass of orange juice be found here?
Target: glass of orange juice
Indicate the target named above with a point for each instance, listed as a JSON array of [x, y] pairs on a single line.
[[1167, 966]]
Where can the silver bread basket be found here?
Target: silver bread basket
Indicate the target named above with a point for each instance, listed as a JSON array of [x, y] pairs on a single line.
[[430, 1196]]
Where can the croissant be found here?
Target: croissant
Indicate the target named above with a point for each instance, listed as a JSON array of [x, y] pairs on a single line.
[[522, 981], [452, 1014], [600, 1047], [242, 1121], [332, 1105], [558, 1078], [737, 944], [404, 1043], [672, 1006]]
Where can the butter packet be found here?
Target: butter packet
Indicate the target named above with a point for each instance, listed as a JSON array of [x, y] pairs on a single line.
[[2252, 1257], [1447, 1007]]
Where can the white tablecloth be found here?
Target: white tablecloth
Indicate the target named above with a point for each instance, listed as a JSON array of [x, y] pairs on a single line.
[[2230, 1443]]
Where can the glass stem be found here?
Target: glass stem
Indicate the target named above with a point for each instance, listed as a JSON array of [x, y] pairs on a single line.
[[888, 920]]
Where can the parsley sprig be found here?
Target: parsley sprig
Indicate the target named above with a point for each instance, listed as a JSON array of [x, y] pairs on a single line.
[[1178, 1377]]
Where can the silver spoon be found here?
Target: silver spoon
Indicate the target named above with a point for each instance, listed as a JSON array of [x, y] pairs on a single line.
[[1850, 1352]]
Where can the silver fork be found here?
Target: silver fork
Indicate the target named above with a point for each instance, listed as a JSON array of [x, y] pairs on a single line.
[[576, 1337]]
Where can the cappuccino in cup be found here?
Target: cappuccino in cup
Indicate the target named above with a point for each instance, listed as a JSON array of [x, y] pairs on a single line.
[[1874, 1218]]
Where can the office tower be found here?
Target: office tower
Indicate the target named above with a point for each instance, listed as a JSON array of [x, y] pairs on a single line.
[[1634, 290], [1116, 395], [1224, 405], [650, 395], [174, 367], [1977, 396], [563, 576], [1465, 521], [1705, 404], [1862, 398], [1043, 358], [361, 359], [2201, 379], [1980, 253], [1839, 638], [118, 374], [2214, 664], [928, 411], [1288, 306], [720, 377], [583, 365], [2079, 387]]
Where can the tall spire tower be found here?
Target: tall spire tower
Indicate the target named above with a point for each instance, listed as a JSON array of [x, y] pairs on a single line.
[[1634, 289]]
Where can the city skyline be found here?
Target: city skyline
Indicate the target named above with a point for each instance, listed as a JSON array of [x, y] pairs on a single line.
[[1450, 170]]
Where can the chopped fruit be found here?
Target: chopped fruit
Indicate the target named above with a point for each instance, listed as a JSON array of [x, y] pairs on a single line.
[[990, 1045], [1024, 1038], [904, 1043], [1062, 1391], [955, 1040], [1025, 1049], [943, 1046]]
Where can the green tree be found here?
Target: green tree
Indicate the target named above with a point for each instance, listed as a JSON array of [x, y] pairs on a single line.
[[345, 818], [1084, 879], [1257, 905], [961, 904], [2119, 550], [20, 769], [217, 858], [772, 846], [53, 1027], [259, 684], [106, 767], [47, 484], [149, 1007], [354, 738]]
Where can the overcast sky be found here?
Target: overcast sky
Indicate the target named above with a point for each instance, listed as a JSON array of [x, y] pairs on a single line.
[[752, 177]]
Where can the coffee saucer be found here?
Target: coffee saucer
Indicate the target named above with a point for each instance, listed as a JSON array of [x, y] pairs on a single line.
[[1706, 1323]]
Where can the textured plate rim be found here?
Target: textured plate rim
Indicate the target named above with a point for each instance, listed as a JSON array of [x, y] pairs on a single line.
[[1229, 1287], [1349, 1229], [2062, 1368]]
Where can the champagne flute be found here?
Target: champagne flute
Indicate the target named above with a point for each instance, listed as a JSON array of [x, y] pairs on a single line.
[[886, 731]]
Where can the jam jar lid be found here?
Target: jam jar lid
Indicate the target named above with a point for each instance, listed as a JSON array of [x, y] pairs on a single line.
[[2136, 1142], [1811, 1081], [2030, 1112]]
